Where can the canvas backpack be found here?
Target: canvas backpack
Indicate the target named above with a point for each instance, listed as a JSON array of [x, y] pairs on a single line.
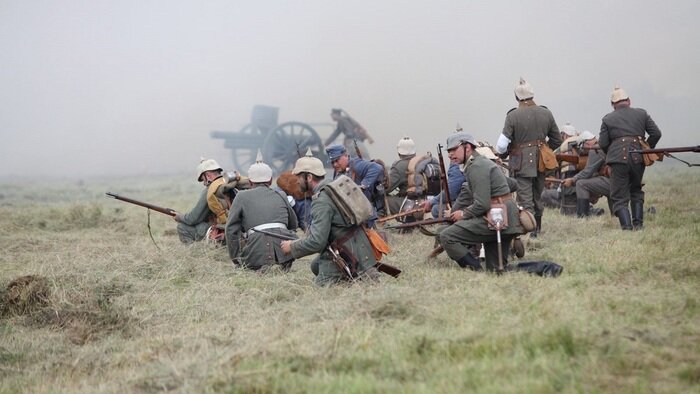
[[350, 200], [423, 176]]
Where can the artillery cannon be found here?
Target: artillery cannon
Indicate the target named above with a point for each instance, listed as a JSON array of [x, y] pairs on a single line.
[[280, 144]]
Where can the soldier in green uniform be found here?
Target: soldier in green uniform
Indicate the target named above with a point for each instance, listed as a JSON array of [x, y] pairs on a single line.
[[260, 208], [193, 225], [398, 175], [328, 227], [526, 128], [484, 184], [592, 182], [621, 131]]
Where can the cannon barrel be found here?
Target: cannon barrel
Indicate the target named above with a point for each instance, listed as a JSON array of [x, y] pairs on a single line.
[[222, 134]]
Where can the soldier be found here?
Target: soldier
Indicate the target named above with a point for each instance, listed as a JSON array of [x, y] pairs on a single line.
[[621, 131], [558, 196], [351, 130], [485, 184], [328, 227], [526, 128], [591, 182], [367, 174], [398, 174], [260, 208], [211, 208]]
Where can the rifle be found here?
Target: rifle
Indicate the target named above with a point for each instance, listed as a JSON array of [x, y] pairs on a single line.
[[667, 152], [567, 157], [418, 223], [166, 211], [681, 149], [443, 178], [338, 260], [298, 149], [357, 148], [400, 214], [553, 180]]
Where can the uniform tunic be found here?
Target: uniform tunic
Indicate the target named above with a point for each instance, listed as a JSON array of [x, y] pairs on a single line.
[[619, 133], [194, 224], [398, 181], [529, 123], [484, 180], [589, 183], [328, 225], [260, 205]]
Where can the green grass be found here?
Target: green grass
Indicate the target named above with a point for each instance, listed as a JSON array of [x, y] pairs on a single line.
[[123, 315]]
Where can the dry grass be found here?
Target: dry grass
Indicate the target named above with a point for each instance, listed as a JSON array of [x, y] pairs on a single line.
[[107, 311]]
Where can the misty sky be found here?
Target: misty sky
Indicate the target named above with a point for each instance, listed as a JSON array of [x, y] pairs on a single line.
[[134, 87]]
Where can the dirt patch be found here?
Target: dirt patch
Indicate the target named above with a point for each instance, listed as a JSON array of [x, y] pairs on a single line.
[[24, 295], [88, 317]]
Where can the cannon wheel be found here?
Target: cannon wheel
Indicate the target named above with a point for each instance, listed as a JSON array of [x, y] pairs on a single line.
[[280, 147], [242, 158]]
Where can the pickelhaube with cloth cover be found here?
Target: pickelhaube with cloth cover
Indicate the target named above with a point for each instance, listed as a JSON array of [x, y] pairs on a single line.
[[259, 172], [309, 164], [458, 139], [206, 165]]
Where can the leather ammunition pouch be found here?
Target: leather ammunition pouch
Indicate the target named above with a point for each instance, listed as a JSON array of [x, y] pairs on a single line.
[[649, 158]]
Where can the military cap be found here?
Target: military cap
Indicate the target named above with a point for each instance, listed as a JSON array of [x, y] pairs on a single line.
[[458, 139], [406, 146], [336, 111], [334, 151], [259, 171], [206, 165], [618, 94], [587, 135], [524, 90]]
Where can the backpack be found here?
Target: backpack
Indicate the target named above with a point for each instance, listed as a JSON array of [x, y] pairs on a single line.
[[350, 200], [423, 176]]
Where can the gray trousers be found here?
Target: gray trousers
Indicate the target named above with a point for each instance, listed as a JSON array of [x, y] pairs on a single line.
[[593, 187], [530, 193], [189, 234], [626, 185]]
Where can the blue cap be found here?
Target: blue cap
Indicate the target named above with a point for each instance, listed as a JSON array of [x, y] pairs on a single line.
[[334, 151]]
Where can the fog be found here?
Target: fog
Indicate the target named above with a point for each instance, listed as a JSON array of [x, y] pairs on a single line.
[[91, 88]]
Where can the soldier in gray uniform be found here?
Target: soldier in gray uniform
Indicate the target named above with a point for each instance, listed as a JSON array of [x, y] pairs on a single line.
[[591, 182], [398, 175], [329, 227], [260, 208], [484, 184], [621, 131], [526, 128]]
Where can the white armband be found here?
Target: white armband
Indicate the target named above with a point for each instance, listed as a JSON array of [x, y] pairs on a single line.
[[502, 144]]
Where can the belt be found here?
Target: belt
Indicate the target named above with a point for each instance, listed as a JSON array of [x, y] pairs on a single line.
[[530, 143], [265, 226], [501, 199]]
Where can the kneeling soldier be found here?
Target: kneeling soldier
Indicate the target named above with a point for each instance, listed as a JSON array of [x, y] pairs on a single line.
[[329, 228], [488, 186], [259, 208]]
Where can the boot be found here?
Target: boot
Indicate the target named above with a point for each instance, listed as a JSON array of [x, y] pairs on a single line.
[[469, 261], [538, 220], [638, 215], [583, 208], [625, 220]]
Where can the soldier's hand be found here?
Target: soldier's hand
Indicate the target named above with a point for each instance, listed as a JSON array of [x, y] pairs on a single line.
[[427, 206], [568, 182], [286, 246], [456, 215], [177, 217]]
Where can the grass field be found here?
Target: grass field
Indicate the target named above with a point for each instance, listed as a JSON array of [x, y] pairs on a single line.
[[106, 310]]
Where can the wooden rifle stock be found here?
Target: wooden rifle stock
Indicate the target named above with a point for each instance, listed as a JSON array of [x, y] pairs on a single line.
[[554, 180], [166, 211], [418, 223], [567, 157], [400, 214], [357, 149], [681, 149]]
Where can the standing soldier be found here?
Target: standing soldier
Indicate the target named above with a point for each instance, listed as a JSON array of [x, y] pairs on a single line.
[[260, 208], [526, 128], [621, 131], [485, 185], [352, 132], [329, 227], [369, 175]]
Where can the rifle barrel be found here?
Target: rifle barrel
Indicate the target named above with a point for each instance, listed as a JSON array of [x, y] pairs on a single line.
[[400, 214], [166, 211], [418, 223], [680, 149], [443, 177]]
